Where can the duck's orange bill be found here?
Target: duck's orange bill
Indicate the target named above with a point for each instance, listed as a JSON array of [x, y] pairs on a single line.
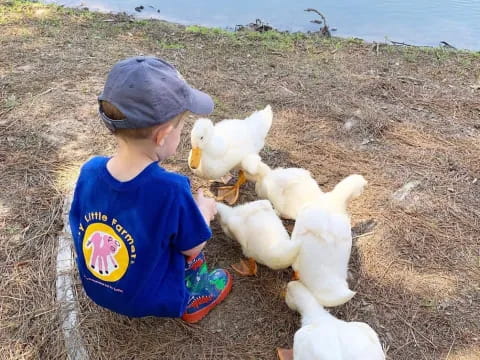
[[195, 158]]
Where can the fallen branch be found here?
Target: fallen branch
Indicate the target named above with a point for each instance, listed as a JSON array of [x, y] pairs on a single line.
[[397, 43], [324, 30], [409, 78], [443, 44], [447, 45]]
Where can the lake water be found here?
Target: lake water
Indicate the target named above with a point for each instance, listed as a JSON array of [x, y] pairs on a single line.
[[419, 22]]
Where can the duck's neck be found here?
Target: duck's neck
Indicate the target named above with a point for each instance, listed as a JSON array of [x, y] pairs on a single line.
[[312, 312]]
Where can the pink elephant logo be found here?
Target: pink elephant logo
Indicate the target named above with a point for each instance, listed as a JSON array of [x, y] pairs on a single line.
[[104, 249]]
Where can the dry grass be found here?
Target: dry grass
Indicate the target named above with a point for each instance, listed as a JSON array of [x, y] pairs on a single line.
[[395, 116]]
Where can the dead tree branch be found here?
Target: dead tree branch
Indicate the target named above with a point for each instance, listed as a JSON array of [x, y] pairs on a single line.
[[325, 31]]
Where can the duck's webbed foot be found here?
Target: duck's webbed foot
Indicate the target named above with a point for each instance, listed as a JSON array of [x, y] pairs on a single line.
[[231, 193], [285, 354], [246, 267]]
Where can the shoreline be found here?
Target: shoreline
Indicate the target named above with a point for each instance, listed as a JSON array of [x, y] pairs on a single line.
[[136, 15]]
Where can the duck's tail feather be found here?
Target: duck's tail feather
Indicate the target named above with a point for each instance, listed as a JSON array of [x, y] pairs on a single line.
[[263, 120], [347, 189]]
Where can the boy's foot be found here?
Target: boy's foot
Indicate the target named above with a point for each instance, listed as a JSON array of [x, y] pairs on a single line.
[[217, 287]]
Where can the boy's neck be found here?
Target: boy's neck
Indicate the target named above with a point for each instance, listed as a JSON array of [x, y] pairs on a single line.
[[130, 160]]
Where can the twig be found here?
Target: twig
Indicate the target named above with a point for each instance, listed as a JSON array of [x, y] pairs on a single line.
[[386, 270], [417, 331], [450, 350], [319, 14], [411, 79], [362, 235], [447, 45], [401, 347], [11, 297], [6, 111], [414, 338], [22, 263], [44, 312], [324, 30], [397, 43], [33, 314], [44, 93], [33, 98]]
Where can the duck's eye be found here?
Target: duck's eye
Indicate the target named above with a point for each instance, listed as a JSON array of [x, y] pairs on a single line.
[[201, 137]]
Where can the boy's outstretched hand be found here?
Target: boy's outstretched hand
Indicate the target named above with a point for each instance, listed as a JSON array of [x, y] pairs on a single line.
[[207, 206]]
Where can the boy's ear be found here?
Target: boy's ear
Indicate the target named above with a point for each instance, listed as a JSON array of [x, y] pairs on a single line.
[[161, 133]]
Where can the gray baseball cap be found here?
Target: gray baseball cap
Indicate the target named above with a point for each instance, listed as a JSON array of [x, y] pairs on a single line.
[[149, 91]]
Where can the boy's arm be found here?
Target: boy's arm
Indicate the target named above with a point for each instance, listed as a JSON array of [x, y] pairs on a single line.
[[193, 221], [207, 206], [208, 209], [194, 251]]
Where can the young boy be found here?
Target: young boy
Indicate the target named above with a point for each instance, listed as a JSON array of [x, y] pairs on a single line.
[[138, 232]]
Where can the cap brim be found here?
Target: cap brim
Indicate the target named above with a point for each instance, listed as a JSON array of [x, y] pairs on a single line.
[[200, 103]]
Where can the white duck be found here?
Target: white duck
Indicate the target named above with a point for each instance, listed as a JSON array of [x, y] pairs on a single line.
[[323, 336], [261, 234], [219, 148], [289, 190], [324, 232]]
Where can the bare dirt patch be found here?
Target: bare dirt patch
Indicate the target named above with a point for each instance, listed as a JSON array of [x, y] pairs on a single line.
[[394, 115]]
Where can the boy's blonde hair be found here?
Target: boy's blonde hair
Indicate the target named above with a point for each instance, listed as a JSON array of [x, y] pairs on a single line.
[[140, 133]]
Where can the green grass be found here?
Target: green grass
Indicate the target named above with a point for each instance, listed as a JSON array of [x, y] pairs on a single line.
[[270, 39], [170, 46], [10, 102], [195, 29], [412, 54], [46, 14]]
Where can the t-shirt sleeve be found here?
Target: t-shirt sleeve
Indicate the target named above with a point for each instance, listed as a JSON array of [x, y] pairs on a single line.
[[192, 228]]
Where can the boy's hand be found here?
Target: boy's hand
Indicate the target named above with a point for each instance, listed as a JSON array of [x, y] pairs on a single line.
[[207, 206]]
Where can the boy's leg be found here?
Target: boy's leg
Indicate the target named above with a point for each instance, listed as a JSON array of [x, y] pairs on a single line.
[[195, 270], [207, 289]]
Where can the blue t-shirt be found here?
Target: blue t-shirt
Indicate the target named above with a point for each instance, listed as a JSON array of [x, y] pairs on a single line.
[[129, 236]]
